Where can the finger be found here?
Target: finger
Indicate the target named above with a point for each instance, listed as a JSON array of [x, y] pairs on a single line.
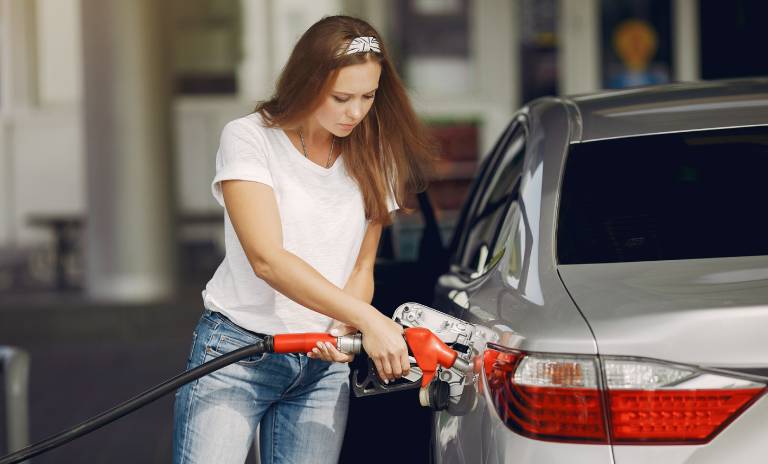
[[324, 353], [336, 355], [397, 368], [387, 368], [379, 368], [405, 363]]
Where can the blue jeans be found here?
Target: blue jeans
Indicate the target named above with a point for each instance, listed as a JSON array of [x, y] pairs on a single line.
[[300, 403]]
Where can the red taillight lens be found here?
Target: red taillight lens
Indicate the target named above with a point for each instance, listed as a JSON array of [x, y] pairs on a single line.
[[689, 416], [558, 398], [547, 413]]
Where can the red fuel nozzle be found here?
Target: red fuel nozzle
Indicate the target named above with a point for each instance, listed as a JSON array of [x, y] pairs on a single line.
[[300, 342], [429, 351], [426, 347]]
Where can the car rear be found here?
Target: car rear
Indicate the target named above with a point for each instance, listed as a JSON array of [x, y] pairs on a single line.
[[662, 244], [653, 345]]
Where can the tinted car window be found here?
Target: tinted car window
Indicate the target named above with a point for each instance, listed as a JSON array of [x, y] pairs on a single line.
[[665, 197], [499, 188]]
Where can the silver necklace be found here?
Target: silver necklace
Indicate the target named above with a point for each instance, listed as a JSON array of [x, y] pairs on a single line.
[[304, 149]]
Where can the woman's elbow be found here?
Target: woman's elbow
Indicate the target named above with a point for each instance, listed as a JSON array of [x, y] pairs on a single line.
[[263, 265]]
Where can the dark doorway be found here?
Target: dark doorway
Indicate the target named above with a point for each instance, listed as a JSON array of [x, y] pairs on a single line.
[[732, 36]]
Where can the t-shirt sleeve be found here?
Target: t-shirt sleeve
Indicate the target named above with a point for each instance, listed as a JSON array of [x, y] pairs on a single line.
[[242, 155]]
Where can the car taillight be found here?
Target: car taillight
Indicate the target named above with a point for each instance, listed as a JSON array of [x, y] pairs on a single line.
[[614, 400], [658, 402]]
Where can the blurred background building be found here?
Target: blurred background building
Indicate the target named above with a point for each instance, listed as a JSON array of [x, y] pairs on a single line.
[[469, 64], [111, 110]]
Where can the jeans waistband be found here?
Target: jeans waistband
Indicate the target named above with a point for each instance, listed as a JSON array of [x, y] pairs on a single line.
[[227, 320]]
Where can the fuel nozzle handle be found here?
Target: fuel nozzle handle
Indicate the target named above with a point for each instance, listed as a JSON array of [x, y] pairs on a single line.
[[426, 347], [430, 351]]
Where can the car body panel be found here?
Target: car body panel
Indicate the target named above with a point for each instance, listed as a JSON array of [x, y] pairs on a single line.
[[687, 311], [673, 108], [551, 323]]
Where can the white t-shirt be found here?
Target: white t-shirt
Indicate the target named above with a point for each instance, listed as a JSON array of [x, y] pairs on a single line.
[[323, 222]]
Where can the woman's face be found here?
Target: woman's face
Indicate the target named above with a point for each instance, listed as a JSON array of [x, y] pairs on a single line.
[[350, 98]]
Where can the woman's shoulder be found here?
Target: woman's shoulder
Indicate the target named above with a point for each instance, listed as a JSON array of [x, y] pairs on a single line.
[[253, 122], [251, 126]]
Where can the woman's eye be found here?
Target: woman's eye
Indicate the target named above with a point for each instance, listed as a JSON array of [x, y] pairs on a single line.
[[339, 99], [370, 97]]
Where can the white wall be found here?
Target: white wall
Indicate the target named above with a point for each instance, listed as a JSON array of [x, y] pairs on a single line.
[[198, 126], [579, 52], [48, 167], [686, 42], [7, 203], [290, 18], [270, 30], [45, 154], [59, 51], [40, 148]]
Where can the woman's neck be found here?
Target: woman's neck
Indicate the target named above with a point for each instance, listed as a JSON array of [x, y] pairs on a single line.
[[315, 134]]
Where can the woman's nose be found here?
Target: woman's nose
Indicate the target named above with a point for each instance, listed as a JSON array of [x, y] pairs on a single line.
[[355, 110]]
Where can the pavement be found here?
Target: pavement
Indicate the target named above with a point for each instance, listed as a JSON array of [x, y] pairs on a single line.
[[87, 357]]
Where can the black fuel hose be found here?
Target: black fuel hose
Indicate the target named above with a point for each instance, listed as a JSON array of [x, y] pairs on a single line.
[[139, 401]]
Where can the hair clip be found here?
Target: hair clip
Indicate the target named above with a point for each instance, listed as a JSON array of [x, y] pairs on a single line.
[[363, 45]]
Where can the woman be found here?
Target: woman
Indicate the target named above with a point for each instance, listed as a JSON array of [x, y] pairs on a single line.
[[307, 180]]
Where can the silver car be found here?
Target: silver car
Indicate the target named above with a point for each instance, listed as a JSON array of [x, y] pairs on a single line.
[[617, 246]]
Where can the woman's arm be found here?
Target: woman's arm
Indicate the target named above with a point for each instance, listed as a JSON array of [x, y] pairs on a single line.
[[360, 282], [359, 285], [252, 208]]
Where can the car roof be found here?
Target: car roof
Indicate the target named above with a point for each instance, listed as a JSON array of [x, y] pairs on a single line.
[[669, 108]]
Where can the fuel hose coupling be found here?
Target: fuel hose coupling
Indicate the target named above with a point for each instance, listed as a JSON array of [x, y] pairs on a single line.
[[436, 394]]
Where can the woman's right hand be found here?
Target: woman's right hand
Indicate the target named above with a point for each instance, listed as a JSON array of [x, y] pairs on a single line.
[[384, 343]]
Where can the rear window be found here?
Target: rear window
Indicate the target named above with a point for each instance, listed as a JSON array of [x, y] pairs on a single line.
[[665, 197]]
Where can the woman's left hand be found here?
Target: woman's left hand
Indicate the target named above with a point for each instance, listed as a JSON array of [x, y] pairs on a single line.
[[327, 352]]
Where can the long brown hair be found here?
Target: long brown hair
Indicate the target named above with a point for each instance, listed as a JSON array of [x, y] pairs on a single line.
[[390, 148]]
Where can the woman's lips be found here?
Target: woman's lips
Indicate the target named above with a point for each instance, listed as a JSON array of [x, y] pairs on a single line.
[[347, 126]]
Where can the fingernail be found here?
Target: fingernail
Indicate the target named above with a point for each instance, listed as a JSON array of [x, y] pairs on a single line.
[[386, 382]]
